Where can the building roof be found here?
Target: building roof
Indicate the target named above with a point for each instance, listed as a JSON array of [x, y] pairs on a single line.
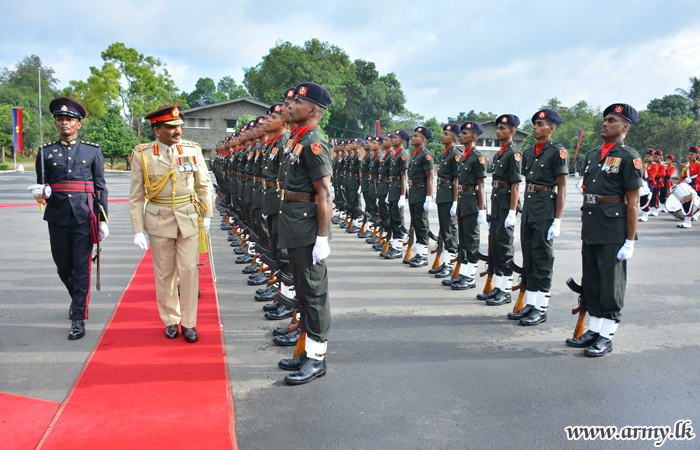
[[490, 131], [224, 103]]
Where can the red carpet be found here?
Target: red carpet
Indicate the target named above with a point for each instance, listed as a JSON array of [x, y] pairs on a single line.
[[139, 390], [12, 205], [23, 420]]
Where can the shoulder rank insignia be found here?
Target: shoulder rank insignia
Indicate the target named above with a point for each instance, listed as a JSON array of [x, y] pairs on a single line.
[[563, 154], [482, 160], [403, 157], [516, 156], [637, 163], [316, 148]]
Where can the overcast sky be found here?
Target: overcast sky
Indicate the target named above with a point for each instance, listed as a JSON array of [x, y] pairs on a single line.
[[499, 56]]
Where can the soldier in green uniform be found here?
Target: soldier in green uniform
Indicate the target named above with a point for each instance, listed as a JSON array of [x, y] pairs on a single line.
[[304, 225], [398, 185], [420, 177], [335, 182], [384, 169], [372, 203], [352, 186], [545, 166], [505, 198], [446, 197], [471, 206], [260, 225], [610, 212], [367, 185]]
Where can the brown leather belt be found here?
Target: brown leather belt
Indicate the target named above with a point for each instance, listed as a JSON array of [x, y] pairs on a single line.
[[365, 174], [352, 174], [235, 172], [257, 179], [418, 181], [500, 184], [530, 187], [270, 184], [249, 177], [598, 199], [444, 180], [384, 177], [293, 196], [469, 187], [373, 177], [393, 178]]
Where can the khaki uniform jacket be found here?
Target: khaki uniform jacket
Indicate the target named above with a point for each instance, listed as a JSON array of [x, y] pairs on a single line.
[[162, 220]]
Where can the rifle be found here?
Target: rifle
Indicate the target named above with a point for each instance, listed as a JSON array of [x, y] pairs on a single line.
[[488, 287], [578, 330], [411, 241], [522, 286], [387, 238], [438, 250], [98, 278]]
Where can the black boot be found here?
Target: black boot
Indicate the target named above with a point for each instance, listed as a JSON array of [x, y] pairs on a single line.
[[586, 340], [77, 330], [309, 369], [462, 282], [500, 299], [270, 307], [282, 313], [434, 271], [446, 271], [288, 339], [489, 295], [524, 312], [536, 317], [600, 347], [292, 363]]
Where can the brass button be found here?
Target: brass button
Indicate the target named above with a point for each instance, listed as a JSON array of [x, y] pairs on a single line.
[[617, 214], [542, 165], [69, 170], [594, 181], [529, 196], [536, 159], [69, 158], [54, 164], [83, 162], [304, 214], [531, 173], [280, 211], [590, 212], [551, 196], [599, 165], [68, 148], [60, 154], [70, 195]]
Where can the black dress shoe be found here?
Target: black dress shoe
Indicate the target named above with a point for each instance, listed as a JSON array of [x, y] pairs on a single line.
[[77, 330], [490, 294], [353, 230], [394, 254], [446, 271], [367, 234], [288, 339], [448, 282], [378, 247], [524, 312], [190, 334], [171, 331], [335, 220], [241, 250], [434, 271], [418, 261], [245, 259], [462, 282], [281, 331], [586, 340], [409, 261], [500, 299], [231, 238], [536, 317], [270, 307], [251, 268], [373, 240], [258, 280], [600, 347], [310, 369], [344, 225], [266, 295], [292, 363], [282, 312]]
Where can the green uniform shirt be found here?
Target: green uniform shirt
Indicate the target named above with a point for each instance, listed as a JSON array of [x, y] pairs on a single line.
[[270, 170], [543, 170], [506, 167], [472, 167], [353, 166], [448, 169], [398, 163], [421, 162], [620, 171], [384, 169], [308, 161], [364, 168]]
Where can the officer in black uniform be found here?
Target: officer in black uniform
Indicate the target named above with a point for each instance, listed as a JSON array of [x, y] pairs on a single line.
[[505, 199], [371, 198], [545, 166], [304, 226], [446, 197], [365, 182], [386, 155], [75, 194], [471, 207], [352, 186], [398, 185], [420, 177], [610, 211]]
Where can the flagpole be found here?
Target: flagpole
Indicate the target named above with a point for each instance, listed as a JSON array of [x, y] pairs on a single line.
[[41, 132]]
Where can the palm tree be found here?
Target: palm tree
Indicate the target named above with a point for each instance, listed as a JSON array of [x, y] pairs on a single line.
[[693, 96]]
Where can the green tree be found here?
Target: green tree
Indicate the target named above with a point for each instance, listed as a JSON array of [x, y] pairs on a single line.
[[112, 134], [672, 135], [471, 116], [204, 93], [435, 144], [232, 90], [693, 96], [674, 105]]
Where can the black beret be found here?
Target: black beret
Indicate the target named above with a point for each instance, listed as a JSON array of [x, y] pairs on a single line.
[[66, 106], [342, 142], [260, 119], [276, 108], [245, 127], [693, 149], [227, 138], [369, 138], [379, 138], [425, 132], [403, 134], [473, 126], [389, 135], [549, 115], [359, 141], [289, 95], [252, 123], [452, 128], [623, 110], [508, 119], [314, 93]]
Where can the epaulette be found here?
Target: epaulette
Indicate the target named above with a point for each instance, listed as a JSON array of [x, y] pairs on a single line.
[[140, 147], [90, 143], [558, 146], [48, 144], [189, 143]]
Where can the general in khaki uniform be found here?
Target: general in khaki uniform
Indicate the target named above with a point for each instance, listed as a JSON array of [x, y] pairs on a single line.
[[175, 181]]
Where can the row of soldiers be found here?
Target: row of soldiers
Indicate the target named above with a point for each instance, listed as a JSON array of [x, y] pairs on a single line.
[[657, 174], [274, 194], [389, 176]]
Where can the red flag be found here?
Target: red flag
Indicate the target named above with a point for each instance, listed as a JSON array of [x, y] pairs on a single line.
[[17, 129]]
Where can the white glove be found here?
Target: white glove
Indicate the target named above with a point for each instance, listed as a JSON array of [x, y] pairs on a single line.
[[510, 220], [207, 222], [47, 191], [321, 249], [359, 190], [140, 241], [626, 251], [554, 229], [426, 204], [342, 187], [687, 180], [104, 231], [402, 201], [264, 216], [481, 217], [387, 199], [453, 210]]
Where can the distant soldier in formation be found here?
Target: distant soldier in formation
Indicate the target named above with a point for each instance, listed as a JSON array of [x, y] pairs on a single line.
[[420, 177], [398, 187], [448, 195]]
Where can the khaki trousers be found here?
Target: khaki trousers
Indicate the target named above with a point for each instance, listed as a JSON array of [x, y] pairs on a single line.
[[173, 259]]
